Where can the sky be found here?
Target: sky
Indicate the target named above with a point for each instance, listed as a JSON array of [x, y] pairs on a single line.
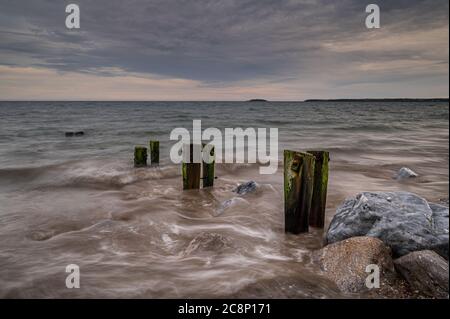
[[223, 50]]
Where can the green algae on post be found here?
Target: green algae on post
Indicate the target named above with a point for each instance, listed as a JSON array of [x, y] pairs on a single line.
[[154, 152], [191, 171], [298, 190], [208, 168], [140, 156], [319, 200]]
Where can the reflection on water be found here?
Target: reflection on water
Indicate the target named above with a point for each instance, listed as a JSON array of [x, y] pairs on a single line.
[[135, 233]]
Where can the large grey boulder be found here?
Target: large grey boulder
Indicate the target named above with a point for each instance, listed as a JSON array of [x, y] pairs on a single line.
[[426, 272], [403, 221], [346, 262]]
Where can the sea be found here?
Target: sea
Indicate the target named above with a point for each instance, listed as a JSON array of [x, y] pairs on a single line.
[[134, 232]]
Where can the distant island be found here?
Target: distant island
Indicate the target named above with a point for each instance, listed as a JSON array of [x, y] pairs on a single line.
[[380, 100], [257, 100]]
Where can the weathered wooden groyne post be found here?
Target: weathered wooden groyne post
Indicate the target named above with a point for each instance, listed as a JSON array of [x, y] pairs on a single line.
[[208, 168], [190, 170], [140, 156], [298, 190], [154, 152], [319, 199]]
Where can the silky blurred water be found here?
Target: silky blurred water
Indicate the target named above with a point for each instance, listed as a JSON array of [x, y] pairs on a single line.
[[135, 233]]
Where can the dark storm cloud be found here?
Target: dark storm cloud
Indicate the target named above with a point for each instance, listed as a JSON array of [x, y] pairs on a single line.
[[214, 41]]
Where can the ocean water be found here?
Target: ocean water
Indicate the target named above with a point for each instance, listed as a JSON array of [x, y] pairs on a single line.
[[135, 233]]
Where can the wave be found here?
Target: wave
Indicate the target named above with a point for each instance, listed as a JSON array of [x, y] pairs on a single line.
[[85, 174], [364, 127]]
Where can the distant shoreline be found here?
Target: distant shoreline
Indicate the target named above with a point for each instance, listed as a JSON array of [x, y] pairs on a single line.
[[257, 100], [380, 100], [236, 101]]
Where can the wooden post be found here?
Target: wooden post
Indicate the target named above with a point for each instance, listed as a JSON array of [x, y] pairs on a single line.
[[191, 171], [154, 152], [319, 200], [140, 156], [208, 168], [298, 190]]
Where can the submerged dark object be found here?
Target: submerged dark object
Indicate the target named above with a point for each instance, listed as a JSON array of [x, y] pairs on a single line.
[[71, 134], [246, 188]]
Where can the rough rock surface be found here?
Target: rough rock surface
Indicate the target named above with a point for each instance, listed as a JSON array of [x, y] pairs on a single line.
[[246, 188], [405, 173], [346, 262], [443, 202], [426, 272], [403, 221]]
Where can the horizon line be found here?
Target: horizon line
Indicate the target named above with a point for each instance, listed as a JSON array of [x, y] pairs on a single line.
[[249, 100]]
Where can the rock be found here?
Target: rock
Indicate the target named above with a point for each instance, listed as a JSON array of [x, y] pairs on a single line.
[[403, 221], [246, 188], [210, 243], [233, 202], [426, 272], [440, 220], [71, 134], [444, 202], [346, 262], [405, 173]]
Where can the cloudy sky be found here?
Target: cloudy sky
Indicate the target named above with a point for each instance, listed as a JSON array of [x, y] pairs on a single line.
[[223, 50]]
